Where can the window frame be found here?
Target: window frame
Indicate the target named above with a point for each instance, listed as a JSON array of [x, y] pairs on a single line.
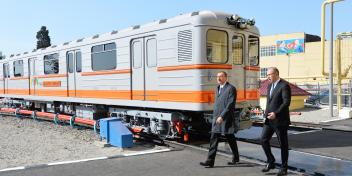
[[243, 47], [263, 72], [6, 70], [258, 49], [227, 46], [133, 54], [266, 51], [103, 51], [46, 60], [154, 50], [69, 62], [14, 68], [79, 69]]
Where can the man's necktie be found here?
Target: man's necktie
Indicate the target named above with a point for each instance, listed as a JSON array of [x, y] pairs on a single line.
[[271, 90]]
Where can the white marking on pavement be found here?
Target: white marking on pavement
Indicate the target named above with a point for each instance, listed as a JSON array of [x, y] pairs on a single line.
[[303, 132], [90, 159], [339, 159], [146, 152], [13, 169], [336, 119], [77, 161]]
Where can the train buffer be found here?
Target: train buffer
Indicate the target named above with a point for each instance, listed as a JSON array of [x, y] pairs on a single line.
[[115, 132]]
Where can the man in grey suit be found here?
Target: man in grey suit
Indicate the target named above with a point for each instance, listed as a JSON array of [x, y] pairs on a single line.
[[224, 120]]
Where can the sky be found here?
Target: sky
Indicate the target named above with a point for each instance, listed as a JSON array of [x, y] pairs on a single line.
[[68, 20]]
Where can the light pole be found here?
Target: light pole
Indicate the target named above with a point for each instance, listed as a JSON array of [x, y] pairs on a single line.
[[331, 86], [288, 66]]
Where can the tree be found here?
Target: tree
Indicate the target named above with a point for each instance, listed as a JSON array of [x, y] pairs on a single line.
[[43, 38], [2, 56]]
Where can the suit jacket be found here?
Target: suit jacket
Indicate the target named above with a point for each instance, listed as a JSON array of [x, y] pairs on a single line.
[[279, 103], [224, 107]]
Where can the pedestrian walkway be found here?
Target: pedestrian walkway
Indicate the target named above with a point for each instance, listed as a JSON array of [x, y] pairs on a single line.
[[173, 163], [316, 115], [340, 125], [311, 164]]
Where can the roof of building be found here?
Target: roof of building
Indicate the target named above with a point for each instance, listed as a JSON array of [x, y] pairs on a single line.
[[295, 90]]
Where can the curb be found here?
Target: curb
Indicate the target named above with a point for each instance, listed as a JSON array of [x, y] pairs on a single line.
[[338, 128]]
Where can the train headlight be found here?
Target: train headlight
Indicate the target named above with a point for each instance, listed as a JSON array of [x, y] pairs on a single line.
[[240, 22]]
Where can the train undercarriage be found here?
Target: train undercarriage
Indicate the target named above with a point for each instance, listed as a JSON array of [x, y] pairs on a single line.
[[162, 123]]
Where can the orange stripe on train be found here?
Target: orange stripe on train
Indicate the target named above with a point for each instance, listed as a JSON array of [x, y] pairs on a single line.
[[161, 95], [196, 66], [252, 68], [106, 72]]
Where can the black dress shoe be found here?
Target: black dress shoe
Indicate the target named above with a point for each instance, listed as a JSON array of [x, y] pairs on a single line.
[[207, 164], [233, 162], [268, 167], [283, 171]]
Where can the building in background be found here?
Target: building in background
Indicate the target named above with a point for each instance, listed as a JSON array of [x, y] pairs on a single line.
[[297, 99], [297, 56]]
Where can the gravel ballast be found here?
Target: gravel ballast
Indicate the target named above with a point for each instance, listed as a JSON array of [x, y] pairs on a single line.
[[26, 142]]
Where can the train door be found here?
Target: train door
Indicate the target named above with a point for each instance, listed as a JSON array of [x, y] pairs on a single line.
[[237, 41], [31, 76], [6, 73], [74, 66], [144, 71]]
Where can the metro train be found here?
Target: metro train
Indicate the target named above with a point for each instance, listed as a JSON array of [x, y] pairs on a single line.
[[159, 77]]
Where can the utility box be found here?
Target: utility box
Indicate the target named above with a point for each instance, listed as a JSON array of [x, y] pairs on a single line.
[[115, 133], [103, 123]]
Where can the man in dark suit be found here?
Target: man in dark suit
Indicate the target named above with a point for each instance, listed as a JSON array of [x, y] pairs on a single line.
[[277, 119], [224, 120]]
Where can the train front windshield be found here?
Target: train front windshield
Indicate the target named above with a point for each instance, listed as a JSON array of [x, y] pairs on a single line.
[[217, 46], [218, 50]]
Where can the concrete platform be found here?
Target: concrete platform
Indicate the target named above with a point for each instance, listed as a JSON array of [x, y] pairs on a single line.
[[303, 162], [317, 151], [340, 125]]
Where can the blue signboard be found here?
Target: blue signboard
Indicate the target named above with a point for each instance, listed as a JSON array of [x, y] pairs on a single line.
[[290, 46]]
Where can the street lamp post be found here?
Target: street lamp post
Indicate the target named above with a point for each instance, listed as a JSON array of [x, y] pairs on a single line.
[[288, 66], [331, 86]]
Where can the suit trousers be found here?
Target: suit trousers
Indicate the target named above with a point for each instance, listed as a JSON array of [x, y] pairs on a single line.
[[214, 141], [281, 133]]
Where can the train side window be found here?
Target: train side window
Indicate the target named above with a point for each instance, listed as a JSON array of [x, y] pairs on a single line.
[[18, 68], [78, 61], [51, 64], [217, 46], [237, 50], [137, 54], [69, 58], [32, 67], [253, 47], [151, 53], [6, 70], [104, 57]]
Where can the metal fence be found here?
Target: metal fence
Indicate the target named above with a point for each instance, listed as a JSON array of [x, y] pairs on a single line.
[[320, 93]]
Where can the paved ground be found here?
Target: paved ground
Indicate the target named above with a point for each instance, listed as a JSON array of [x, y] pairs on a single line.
[[174, 163], [313, 115], [322, 151], [347, 122], [341, 125], [326, 151]]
